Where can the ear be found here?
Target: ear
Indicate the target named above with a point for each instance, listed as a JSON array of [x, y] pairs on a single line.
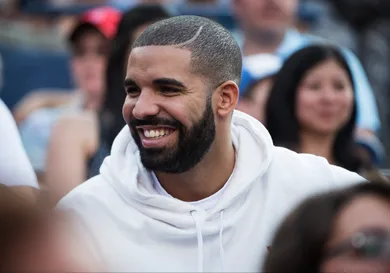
[[226, 97]]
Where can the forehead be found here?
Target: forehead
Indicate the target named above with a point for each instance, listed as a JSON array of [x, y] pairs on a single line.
[[362, 212], [152, 62], [328, 67]]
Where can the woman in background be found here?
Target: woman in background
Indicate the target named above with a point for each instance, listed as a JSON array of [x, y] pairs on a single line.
[[312, 109], [80, 142], [343, 231]]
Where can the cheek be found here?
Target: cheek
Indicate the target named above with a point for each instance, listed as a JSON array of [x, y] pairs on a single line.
[[127, 109], [184, 113], [100, 65], [347, 102], [341, 265], [305, 104]]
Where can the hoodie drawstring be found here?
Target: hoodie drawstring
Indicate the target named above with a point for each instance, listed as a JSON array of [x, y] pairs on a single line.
[[221, 250], [200, 241]]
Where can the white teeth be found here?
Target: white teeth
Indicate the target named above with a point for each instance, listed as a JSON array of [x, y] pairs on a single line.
[[157, 133]]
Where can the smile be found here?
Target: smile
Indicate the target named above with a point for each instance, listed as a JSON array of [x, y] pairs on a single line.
[[156, 136], [157, 132]]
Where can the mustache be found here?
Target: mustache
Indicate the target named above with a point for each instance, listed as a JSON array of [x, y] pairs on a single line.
[[154, 121]]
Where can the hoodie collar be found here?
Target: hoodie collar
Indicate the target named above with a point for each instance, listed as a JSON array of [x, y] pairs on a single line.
[[125, 172]]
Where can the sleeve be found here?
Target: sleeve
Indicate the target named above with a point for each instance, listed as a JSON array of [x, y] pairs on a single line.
[[344, 178], [15, 168], [367, 111]]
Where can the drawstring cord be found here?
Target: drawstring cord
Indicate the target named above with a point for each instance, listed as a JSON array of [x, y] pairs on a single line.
[[221, 250], [200, 241]]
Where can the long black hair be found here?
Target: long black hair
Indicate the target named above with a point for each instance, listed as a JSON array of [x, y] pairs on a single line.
[[281, 118], [299, 243], [110, 116]]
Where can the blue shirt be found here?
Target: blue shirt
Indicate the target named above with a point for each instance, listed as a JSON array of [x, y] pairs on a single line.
[[367, 111]]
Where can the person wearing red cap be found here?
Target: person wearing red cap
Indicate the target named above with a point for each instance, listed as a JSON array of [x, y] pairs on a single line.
[[89, 46]]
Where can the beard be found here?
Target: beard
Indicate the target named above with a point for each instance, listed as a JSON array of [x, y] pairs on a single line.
[[193, 143]]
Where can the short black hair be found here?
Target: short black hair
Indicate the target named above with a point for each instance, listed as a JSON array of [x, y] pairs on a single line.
[[214, 52]]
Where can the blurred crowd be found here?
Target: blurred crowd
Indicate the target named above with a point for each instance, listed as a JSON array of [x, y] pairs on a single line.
[[315, 73]]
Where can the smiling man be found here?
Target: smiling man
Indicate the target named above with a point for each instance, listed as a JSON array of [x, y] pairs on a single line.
[[191, 184]]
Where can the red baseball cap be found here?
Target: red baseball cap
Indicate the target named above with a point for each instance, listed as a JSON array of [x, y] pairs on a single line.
[[104, 19]]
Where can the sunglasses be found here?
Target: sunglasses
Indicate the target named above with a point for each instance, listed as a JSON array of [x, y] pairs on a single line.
[[367, 244]]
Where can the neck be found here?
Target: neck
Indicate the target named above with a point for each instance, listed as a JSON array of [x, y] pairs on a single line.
[[318, 145], [206, 178], [260, 43]]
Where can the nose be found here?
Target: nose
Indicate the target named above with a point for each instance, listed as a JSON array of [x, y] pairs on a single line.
[[146, 105], [329, 95]]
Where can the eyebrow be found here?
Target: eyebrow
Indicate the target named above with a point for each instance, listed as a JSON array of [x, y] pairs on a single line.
[[161, 81], [129, 82], [169, 81]]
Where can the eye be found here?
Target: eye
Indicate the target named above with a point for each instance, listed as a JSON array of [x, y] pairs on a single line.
[[372, 248], [132, 91], [314, 86], [339, 86]]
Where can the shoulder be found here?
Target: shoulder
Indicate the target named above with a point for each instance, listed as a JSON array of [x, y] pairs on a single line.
[[313, 171], [87, 195], [85, 120], [6, 116]]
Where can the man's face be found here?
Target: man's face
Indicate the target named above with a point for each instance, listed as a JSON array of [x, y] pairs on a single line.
[[265, 15], [168, 109]]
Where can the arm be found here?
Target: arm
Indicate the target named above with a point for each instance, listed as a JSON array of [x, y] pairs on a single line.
[[15, 168], [73, 140], [368, 117], [39, 99]]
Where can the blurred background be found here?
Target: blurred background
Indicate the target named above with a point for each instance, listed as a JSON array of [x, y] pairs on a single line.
[[35, 55]]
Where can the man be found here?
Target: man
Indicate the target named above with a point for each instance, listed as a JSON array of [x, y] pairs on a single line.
[[267, 27], [190, 183]]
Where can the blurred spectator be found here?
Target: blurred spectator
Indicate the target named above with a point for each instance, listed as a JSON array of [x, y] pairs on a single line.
[[15, 168], [312, 108], [89, 46], [267, 27], [80, 142], [367, 25], [35, 239], [1, 73], [263, 68], [342, 231]]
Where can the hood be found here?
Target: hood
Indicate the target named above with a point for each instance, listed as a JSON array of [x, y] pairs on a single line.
[[126, 174]]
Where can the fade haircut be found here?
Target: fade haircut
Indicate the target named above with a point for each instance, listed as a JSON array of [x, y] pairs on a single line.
[[215, 54]]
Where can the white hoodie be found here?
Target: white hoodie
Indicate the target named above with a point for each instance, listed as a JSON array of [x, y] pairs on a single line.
[[137, 229]]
